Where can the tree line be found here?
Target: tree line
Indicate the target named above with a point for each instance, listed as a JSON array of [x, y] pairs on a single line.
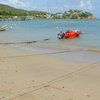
[[9, 12]]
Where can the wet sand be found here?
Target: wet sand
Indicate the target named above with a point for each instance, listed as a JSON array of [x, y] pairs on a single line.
[[26, 75]]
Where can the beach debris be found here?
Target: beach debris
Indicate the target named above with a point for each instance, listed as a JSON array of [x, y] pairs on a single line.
[[33, 80], [88, 95], [63, 87], [2, 97], [70, 99]]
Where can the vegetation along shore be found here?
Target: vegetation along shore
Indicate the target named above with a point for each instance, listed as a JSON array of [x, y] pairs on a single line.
[[11, 13]]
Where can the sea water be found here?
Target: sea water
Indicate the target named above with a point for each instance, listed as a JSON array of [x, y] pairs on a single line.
[[39, 29]]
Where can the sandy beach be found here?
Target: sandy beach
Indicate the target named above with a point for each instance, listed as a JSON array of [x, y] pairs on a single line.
[[26, 75]]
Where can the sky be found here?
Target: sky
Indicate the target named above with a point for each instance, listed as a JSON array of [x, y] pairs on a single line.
[[56, 5]]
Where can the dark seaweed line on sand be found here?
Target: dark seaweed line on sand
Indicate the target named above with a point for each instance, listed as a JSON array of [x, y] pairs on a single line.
[[25, 42]]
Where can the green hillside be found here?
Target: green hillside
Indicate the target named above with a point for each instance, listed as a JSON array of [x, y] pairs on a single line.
[[8, 12]]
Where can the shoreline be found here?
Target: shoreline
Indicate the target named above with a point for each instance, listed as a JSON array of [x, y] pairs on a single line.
[[28, 75], [70, 53], [44, 44], [59, 50]]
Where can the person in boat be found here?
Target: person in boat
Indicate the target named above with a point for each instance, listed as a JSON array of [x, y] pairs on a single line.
[[61, 35]]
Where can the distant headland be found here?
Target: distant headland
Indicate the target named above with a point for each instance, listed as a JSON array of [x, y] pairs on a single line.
[[11, 13]]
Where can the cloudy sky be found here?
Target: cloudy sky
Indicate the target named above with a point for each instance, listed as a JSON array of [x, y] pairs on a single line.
[[56, 5]]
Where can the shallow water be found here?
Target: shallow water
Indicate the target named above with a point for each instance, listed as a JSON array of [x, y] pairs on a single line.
[[40, 29], [69, 54]]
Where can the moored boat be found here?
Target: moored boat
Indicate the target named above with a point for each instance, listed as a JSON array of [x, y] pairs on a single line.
[[69, 34], [2, 28]]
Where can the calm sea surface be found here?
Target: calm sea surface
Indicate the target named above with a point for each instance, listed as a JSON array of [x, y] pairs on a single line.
[[39, 29]]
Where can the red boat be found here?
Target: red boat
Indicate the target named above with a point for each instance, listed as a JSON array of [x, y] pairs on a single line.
[[69, 34]]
